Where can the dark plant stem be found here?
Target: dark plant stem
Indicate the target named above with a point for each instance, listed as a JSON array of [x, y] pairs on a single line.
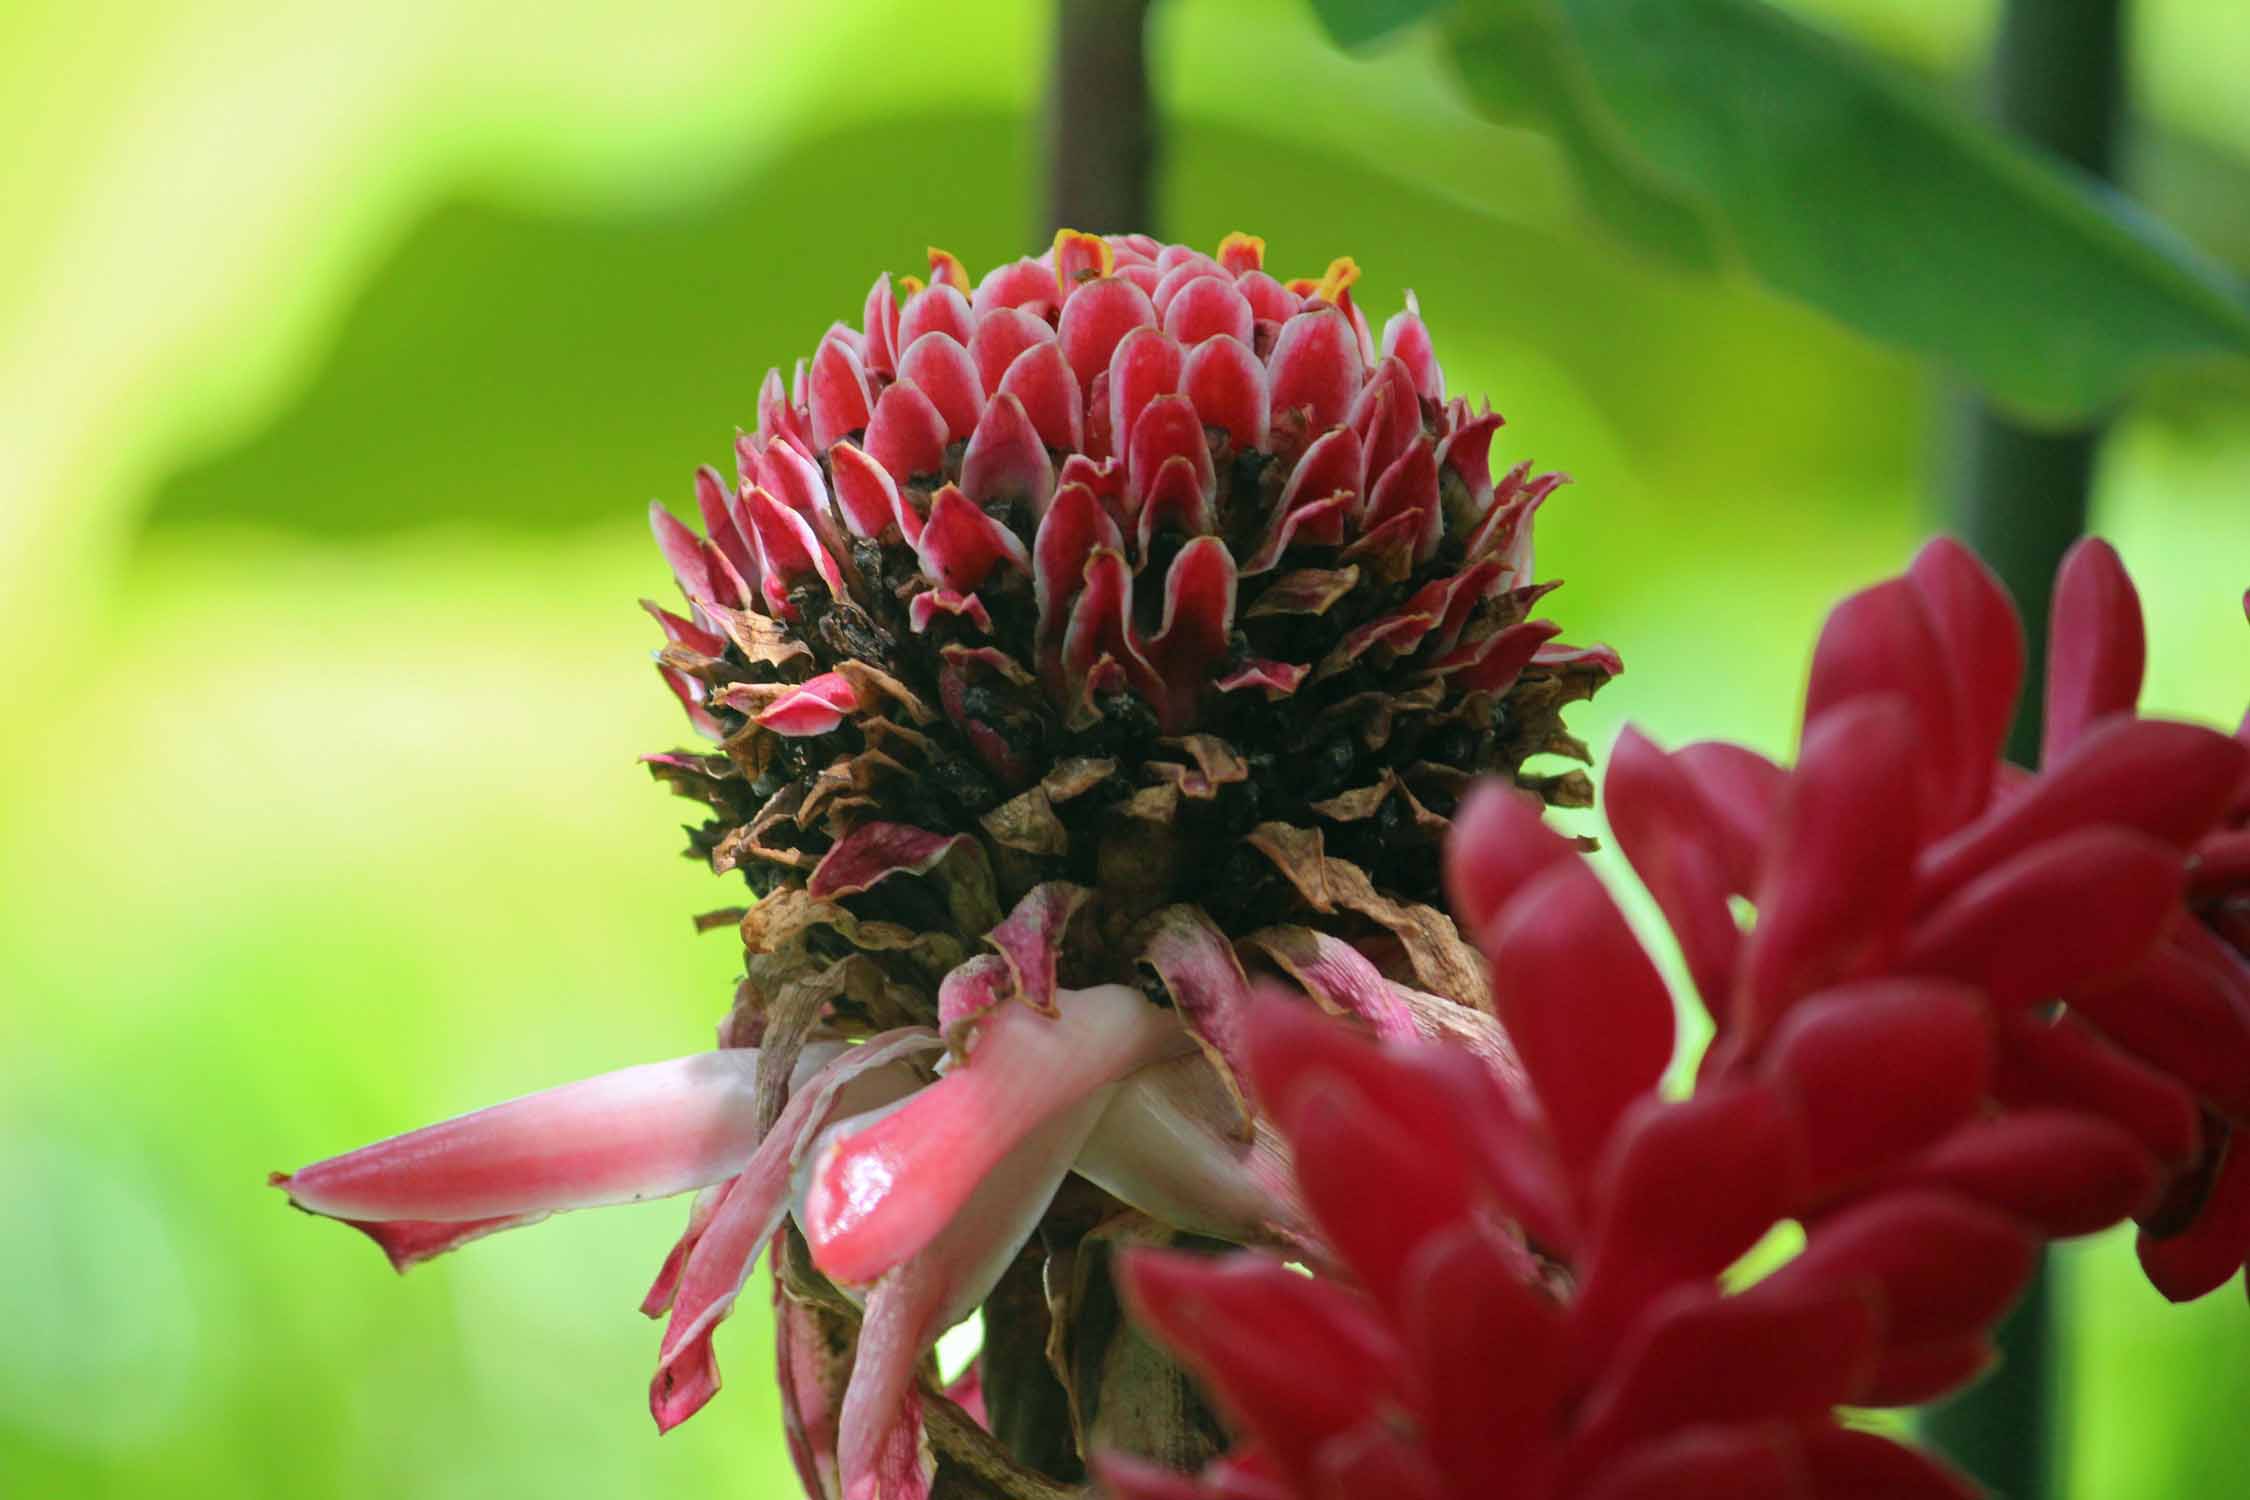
[[1101, 140], [2020, 498]]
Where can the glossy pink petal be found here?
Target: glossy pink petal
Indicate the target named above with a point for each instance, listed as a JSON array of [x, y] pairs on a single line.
[[2205, 1256], [939, 365], [1276, 679], [685, 632], [1174, 502], [879, 1195], [1080, 259], [1073, 527], [1583, 1003], [1982, 638], [2181, 1014], [641, 1132], [1178, 266], [1269, 299], [1167, 428], [1750, 1462], [812, 707], [1379, 1195], [1096, 319], [879, 331], [1466, 1298], [1001, 335], [1388, 418], [849, 1081], [936, 308], [1880, 641], [1171, 1144], [665, 1287], [1440, 1094], [1006, 462], [923, 610], [1743, 791], [2062, 1173], [789, 553], [1227, 385], [1943, 1268], [1493, 664], [868, 496], [1316, 366], [2070, 913], [1293, 1359], [1208, 307], [1100, 629], [1318, 523], [1467, 452], [838, 393], [779, 420], [1029, 941], [1145, 365], [1846, 1464], [2096, 648], [1410, 487], [1406, 338], [2169, 781], [873, 852], [683, 552], [2062, 1063], [721, 522], [1824, 1053], [1027, 284], [1199, 595], [1773, 1353], [960, 544], [1666, 830], [1499, 844], [407, 1243], [1041, 379], [878, 1455], [907, 433], [1837, 880], [1685, 1190]]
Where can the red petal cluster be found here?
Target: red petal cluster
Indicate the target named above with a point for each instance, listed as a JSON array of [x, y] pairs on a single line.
[[1973, 1013], [2066, 897]]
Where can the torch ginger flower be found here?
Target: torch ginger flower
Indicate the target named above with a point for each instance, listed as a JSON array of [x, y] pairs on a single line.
[[1075, 643]]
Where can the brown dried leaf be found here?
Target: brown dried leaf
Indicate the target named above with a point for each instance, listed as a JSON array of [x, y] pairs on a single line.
[[873, 684], [1027, 822], [759, 638], [1308, 591], [1298, 854], [1075, 775]]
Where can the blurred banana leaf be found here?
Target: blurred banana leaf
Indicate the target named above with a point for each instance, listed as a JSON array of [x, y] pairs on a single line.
[[1842, 182]]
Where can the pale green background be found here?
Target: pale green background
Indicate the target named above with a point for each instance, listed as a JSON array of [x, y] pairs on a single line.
[[340, 350]]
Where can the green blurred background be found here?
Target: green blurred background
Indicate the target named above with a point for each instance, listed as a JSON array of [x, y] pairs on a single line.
[[341, 348]]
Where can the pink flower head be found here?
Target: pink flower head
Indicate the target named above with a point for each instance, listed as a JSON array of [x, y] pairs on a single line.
[[1078, 643]]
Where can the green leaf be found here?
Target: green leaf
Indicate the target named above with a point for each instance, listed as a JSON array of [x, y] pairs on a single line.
[[1521, 68], [1860, 191], [1355, 23]]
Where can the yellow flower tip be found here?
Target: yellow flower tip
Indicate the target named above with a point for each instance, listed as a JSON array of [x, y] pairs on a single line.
[[910, 284], [1081, 257], [1341, 273], [946, 270], [1240, 252]]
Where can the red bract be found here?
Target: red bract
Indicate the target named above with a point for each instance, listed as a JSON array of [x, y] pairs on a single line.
[[1971, 1015], [1469, 1356]]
